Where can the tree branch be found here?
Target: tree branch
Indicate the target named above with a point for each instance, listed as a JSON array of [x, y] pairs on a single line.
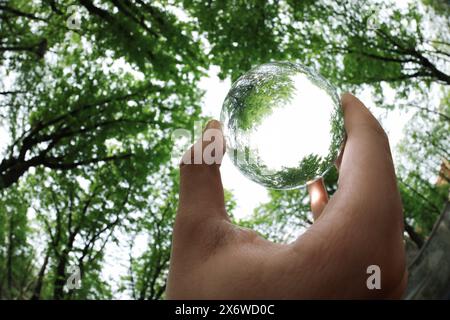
[[55, 163]]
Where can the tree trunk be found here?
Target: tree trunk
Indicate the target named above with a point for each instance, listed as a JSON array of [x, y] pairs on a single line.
[[9, 258], [60, 280], [37, 289], [415, 237]]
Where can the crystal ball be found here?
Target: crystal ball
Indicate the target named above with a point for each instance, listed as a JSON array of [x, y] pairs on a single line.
[[283, 125]]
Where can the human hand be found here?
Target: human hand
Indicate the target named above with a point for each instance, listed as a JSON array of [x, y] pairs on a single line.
[[361, 225]]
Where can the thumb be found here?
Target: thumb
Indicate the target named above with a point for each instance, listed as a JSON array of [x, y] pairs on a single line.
[[200, 183]]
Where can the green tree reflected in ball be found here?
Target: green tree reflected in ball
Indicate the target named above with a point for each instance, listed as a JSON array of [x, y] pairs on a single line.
[[283, 125]]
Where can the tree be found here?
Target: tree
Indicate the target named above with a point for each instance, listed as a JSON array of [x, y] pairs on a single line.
[[321, 33], [424, 180], [74, 112], [55, 124], [148, 271], [79, 218], [16, 251]]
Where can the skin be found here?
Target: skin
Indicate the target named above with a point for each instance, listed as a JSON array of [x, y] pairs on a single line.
[[361, 225]]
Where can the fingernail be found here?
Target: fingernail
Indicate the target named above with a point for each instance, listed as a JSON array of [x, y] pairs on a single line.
[[213, 124]]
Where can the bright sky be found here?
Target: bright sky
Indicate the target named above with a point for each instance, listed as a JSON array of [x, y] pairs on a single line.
[[309, 108]]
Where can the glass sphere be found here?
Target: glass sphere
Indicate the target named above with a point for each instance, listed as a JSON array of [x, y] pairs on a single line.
[[283, 125]]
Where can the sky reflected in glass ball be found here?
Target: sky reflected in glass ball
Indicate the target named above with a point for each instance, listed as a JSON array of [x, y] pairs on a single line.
[[283, 125]]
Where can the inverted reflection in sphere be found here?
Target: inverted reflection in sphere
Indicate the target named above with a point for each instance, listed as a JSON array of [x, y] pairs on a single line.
[[283, 125]]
